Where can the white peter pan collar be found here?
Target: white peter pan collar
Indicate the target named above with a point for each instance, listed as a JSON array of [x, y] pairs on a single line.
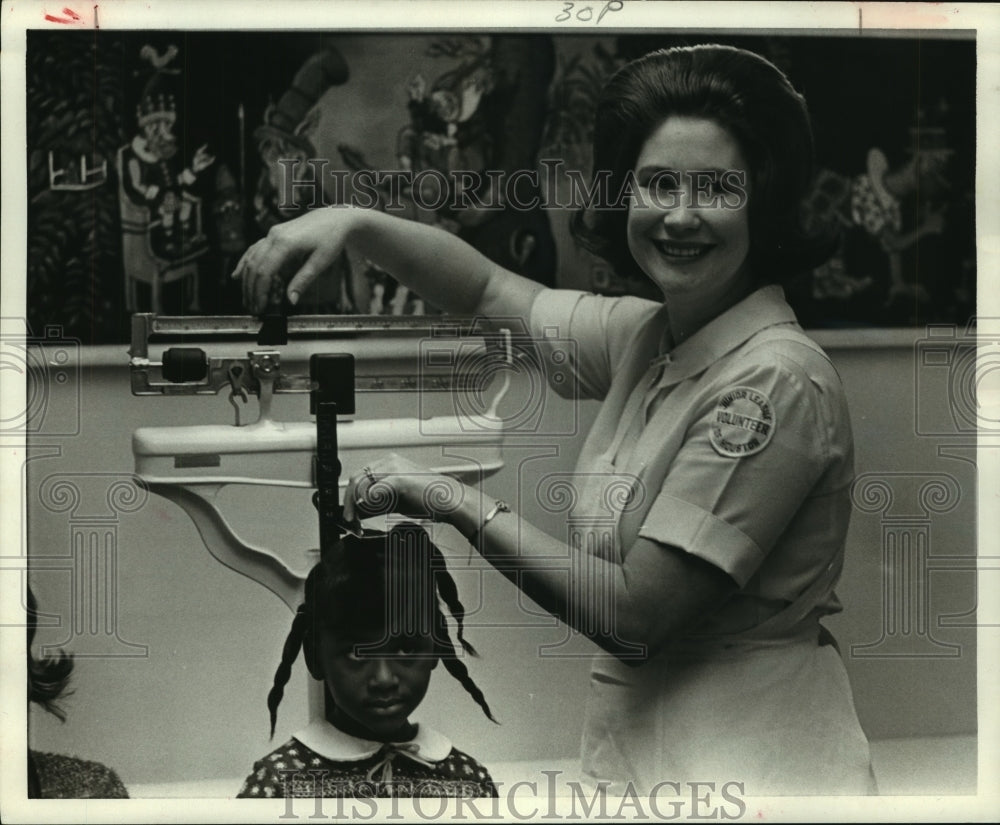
[[319, 735]]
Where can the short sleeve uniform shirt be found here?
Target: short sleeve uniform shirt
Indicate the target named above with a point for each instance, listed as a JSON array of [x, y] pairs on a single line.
[[736, 447]]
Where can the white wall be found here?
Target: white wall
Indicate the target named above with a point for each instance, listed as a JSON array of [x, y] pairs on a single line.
[[194, 707]]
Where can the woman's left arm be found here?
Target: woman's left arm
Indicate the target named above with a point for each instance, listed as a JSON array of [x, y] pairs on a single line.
[[630, 609]]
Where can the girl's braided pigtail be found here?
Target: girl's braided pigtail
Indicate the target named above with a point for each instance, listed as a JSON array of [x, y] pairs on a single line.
[[449, 656], [449, 592], [290, 652], [456, 667]]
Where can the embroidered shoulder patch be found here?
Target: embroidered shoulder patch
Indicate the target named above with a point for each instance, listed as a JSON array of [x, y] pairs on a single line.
[[743, 422]]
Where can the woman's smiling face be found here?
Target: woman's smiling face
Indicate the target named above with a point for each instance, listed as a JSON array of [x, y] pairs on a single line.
[[690, 235]]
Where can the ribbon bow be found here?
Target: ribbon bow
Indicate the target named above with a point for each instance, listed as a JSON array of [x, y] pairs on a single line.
[[389, 751]]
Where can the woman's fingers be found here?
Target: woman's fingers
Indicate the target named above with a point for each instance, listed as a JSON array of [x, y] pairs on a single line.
[[349, 516], [241, 264], [311, 238], [247, 275], [356, 503], [248, 271], [259, 267], [272, 260], [307, 273], [393, 484]]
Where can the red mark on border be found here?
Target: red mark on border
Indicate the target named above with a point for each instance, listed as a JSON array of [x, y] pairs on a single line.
[[73, 17]]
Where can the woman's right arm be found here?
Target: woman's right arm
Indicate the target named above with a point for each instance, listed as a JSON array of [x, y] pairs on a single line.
[[443, 269]]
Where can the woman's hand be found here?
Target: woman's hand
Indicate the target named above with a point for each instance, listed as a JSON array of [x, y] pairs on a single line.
[[302, 248], [394, 484]]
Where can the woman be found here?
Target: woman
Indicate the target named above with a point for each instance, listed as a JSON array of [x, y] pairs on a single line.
[[726, 424]]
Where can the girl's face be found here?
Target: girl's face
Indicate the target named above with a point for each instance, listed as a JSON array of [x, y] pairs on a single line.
[[687, 222], [375, 682]]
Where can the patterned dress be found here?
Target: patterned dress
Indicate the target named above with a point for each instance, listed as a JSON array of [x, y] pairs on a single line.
[[67, 777], [324, 761]]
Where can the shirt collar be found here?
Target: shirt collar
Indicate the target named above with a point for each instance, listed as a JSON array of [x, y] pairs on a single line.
[[319, 735], [763, 308]]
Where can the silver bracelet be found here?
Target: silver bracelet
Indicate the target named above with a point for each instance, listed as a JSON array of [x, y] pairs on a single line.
[[499, 506]]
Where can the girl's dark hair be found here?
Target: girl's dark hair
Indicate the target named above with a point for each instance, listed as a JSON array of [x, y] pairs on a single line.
[[750, 98], [389, 582], [48, 677]]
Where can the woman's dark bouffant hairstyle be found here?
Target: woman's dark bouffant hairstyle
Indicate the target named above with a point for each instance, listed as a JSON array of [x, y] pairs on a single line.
[[378, 582], [48, 677], [756, 104]]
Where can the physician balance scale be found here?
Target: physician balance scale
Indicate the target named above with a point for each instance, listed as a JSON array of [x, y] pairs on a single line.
[[191, 464]]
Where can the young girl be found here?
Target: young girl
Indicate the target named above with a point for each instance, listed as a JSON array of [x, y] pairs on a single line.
[[372, 630]]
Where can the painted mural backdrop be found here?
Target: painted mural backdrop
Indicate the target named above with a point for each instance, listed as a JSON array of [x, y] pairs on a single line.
[[156, 158]]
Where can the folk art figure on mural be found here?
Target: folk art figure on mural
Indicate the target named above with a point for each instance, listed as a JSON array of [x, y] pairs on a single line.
[[152, 171], [285, 142], [890, 215], [162, 236]]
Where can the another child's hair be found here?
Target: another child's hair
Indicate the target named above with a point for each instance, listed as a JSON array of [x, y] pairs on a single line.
[[48, 677], [383, 581], [751, 99]]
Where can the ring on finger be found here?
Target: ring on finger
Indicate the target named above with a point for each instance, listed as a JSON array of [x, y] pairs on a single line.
[[359, 493], [361, 490]]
